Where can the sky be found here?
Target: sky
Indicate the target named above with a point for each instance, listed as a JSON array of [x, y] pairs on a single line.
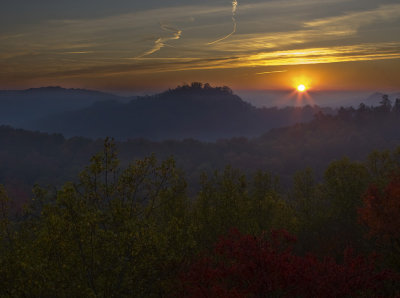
[[142, 46]]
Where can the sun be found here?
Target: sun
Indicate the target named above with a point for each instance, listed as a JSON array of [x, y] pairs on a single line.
[[301, 88]]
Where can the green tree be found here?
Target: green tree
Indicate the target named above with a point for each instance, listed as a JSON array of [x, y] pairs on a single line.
[[268, 208], [382, 164], [220, 205], [227, 200], [6, 245], [118, 232], [343, 186]]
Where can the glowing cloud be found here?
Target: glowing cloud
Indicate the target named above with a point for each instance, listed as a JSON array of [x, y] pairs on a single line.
[[161, 42], [271, 72], [234, 9]]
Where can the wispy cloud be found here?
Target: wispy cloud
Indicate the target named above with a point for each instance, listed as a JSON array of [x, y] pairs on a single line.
[[250, 43], [132, 31], [271, 72], [234, 8], [79, 52], [353, 21], [161, 42], [360, 52], [127, 43]]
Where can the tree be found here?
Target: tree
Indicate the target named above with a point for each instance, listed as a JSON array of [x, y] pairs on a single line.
[[344, 183], [345, 114], [311, 208], [396, 107], [6, 245], [385, 104], [228, 200], [118, 232], [340, 196], [4, 215], [265, 266], [382, 164], [304, 194], [222, 203], [381, 214], [363, 113], [268, 208], [196, 85]]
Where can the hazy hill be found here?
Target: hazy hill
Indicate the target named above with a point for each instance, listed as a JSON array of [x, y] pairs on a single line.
[[31, 157], [196, 111], [21, 107]]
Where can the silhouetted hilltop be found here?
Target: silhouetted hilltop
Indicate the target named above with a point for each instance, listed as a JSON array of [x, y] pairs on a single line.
[[189, 111], [20, 107]]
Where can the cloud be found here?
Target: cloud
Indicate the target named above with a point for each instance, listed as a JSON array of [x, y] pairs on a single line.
[[271, 72], [116, 33], [329, 29], [161, 42], [234, 9], [120, 34], [78, 52], [142, 66], [351, 22], [273, 33], [359, 52]]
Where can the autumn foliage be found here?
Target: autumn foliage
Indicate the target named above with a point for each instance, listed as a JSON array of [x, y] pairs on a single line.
[[381, 210], [247, 266]]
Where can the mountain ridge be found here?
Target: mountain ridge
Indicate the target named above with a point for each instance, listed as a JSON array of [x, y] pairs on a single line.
[[196, 111]]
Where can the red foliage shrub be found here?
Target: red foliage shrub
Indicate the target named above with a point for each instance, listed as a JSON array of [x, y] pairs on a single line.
[[381, 211], [247, 266]]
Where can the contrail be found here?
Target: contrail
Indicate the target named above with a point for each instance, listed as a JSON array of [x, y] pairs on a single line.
[[161, 42], [234, 8]]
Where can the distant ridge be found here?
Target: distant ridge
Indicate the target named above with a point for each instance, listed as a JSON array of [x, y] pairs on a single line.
[[190, 111], [20, 108], [56, 89]]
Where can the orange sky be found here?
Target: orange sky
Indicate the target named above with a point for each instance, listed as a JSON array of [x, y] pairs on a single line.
[[132, 47]]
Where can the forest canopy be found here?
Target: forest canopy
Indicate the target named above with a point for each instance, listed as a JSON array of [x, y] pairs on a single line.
[[134, 231]]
